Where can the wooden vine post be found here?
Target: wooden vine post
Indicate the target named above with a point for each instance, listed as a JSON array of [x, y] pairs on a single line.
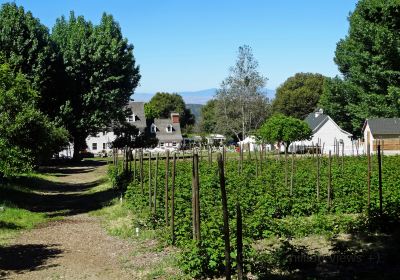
[[369, 175], [329, 179], [256, 162], [292, 175], [239, 241], [155, 186], [134, 166], [141, 171], [196, 198], [380, 178], [166, 186], [150, 194], [286, 169], [318, 171], [173, 200], [225, 217]]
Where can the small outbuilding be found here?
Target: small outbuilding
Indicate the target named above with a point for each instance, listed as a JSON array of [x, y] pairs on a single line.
[[328, 134], [386, 130]]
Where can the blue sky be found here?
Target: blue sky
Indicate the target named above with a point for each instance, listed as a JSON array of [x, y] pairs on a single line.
[[184, 45]]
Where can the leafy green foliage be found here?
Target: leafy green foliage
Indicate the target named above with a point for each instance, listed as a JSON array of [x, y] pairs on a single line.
[[101, 74], [27, 48], [241, 104], [268, 208], [162, 104], [27, 136], [368, 58], [284, 129], [208, 119], [298, 95]]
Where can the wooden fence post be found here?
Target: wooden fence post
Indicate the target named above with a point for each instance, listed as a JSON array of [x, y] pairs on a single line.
[[318, 173], [196, 197], [225, 217], [141, 171], [166, 185], [150, 194], [173, 200], [155, 186], [329, 180], [239, 241], [380, 178], [134, 166], [369, 175], [292, 175]]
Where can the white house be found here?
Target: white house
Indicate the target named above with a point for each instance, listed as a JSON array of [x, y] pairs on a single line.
[[387, 130], [254, 146], [327, 133]]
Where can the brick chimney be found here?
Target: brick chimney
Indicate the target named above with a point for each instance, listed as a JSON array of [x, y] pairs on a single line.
[[175, 117]]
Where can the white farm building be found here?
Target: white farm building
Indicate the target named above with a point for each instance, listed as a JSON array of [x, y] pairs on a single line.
[[328, 134]]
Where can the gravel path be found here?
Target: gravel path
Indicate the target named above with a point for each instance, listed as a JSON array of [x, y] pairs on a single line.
[[76, 247]]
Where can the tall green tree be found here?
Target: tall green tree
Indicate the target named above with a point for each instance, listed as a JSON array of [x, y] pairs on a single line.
[[101, 74], [299, 95], [27, 47], [241, 104], [27, 136], [163, 103], [208, 119], [369, 60], [284, 130]]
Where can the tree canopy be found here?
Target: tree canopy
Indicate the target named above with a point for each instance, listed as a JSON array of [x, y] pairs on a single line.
[[241, 105], [369, 60], [27, 47], [284, 129], [299, 95], [27, 136], [162, 104], [101, 74], [208, 120]]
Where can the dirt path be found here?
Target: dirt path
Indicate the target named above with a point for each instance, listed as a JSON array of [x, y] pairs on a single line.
[[76, 247]]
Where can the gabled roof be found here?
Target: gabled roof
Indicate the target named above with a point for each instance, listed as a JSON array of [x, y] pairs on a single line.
[[163, 135], [383, 125], [315, 121], [138, 110]]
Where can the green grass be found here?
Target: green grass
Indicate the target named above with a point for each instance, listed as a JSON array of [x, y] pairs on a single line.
[[120, 221], [13, 220]]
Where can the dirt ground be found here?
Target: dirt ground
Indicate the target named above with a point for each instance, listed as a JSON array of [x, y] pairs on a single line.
[[76, 246]]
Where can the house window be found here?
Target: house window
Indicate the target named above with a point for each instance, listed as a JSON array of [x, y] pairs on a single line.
[[131, 118], [94, 146], [161, 144], [104, 146], [174, 144], [169, 128], [153, 128]]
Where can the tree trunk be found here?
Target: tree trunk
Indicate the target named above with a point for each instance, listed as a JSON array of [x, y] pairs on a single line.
[[79, 145]]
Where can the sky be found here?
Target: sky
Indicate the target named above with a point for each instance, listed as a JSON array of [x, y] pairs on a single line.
[[189, 45]]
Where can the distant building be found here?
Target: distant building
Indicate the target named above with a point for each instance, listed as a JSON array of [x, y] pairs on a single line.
[[387, 130], [327, 133], [167, 131]]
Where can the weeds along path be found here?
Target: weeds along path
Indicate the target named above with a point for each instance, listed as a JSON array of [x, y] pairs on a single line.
[[76, 246]]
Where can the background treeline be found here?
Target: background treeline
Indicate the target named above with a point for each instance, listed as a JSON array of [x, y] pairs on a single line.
[[59, 86]]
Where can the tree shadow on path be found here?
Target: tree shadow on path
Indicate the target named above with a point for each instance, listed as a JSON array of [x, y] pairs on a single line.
[[60, 198], [28, 257]]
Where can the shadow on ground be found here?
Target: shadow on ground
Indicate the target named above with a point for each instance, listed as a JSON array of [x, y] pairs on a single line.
[[367, 253], [60, 199], [20, 258]]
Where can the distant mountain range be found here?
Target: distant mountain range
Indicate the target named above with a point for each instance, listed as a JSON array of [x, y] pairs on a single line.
[[191, 97]]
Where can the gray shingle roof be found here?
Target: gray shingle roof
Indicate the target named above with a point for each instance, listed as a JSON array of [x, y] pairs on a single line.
[[384, 126], [163, 135], [140, 118], [314, 121]]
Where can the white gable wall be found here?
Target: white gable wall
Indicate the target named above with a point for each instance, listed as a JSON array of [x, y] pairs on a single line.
[[327, 134], [101, 139]]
